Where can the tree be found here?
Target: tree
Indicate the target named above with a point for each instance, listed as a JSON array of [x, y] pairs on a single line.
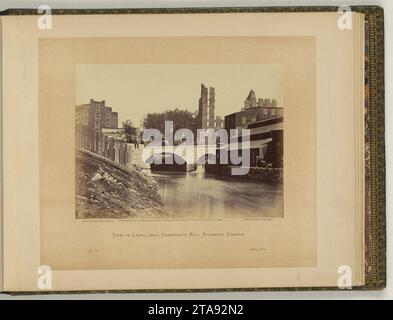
[[181, 119]]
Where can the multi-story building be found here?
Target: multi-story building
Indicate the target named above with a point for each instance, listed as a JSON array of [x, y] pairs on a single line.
[[90, 119], [266, 142], [254, 110], [265, 146], [264, 119]]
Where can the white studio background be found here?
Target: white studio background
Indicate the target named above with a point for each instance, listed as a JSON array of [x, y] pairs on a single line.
[[388, 7]]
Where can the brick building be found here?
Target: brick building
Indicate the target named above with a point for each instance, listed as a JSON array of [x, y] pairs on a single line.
[[266, 142], [90, 119], [254, 110], [265, 120]]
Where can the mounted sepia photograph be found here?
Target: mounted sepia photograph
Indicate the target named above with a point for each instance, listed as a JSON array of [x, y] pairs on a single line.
[[164, 141], [194, 148]]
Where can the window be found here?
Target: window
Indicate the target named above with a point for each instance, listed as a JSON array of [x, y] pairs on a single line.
[[244, 120]]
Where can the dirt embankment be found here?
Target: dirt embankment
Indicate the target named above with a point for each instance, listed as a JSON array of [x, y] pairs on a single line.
[[107, 191]]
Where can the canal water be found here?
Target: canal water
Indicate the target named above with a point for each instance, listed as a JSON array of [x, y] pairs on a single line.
[[198, 195]]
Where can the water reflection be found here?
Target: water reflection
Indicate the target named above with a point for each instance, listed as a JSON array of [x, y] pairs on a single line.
[[201, 196]]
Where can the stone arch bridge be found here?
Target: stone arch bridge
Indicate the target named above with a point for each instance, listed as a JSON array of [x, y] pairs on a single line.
[[190, 154]]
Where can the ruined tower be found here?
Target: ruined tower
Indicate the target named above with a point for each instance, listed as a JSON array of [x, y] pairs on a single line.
[[207, 107], [251, 100], [212, 106]]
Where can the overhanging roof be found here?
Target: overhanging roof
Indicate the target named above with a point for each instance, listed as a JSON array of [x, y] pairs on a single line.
[[253, 145]]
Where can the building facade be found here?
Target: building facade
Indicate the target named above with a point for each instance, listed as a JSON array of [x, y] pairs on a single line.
[[90, 119], [264, 119], [266, 142], [254, 110]]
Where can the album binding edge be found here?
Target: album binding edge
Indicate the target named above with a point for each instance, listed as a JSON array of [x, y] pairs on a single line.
[[374, 15]]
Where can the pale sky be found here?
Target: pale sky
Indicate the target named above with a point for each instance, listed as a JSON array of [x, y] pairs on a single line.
[[134, 90]]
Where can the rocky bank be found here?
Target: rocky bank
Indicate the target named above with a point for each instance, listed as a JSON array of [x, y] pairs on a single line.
[[105, 190]]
